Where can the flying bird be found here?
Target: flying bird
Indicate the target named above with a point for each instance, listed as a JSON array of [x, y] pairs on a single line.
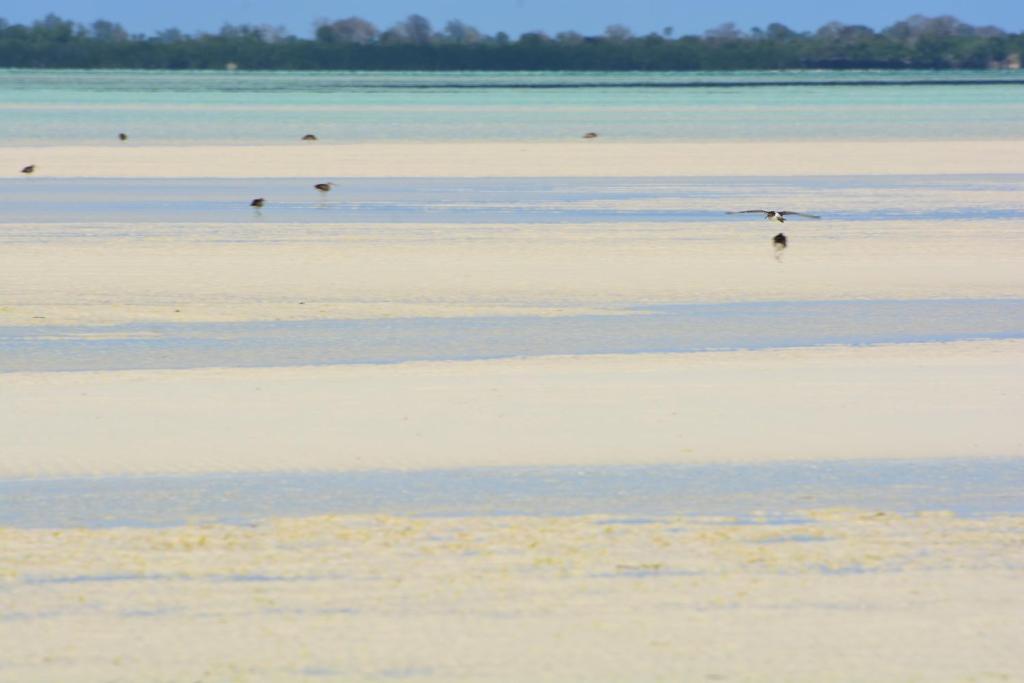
[[122, 137], [589, 136], [324, 187], [29, 169], [309, 136], [779, 216], [257, 203]]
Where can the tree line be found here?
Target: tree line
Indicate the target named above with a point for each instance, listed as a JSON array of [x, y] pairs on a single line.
[[918, 42]]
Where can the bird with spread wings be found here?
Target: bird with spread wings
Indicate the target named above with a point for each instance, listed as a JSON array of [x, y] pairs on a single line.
[[779, 216]]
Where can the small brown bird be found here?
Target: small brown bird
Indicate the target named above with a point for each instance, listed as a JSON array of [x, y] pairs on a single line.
[[29, 169], [257, 203], [122, 137], [589, 136], [309, 136], [324, 187]]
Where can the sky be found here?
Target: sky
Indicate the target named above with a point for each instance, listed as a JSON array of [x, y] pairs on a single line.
[[516, 16]]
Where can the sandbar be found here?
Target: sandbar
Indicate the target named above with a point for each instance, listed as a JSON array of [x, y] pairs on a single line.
[[515, 159], [273, 273], [902, 401]]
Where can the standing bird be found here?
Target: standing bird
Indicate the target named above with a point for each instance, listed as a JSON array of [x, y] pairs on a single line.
[[257, 203], [779, 216], [122, 137], [309, 136], [28, 170], [589, 136], [324, 187]]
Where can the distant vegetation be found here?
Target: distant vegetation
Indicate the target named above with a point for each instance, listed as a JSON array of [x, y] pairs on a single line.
[[915, 43]]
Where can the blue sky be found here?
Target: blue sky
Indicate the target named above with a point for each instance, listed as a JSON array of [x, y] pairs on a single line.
[[517, 16]]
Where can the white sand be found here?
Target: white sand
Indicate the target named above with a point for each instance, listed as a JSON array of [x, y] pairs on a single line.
[[906, 401], [393, 271], [578, 158], [848, 596]]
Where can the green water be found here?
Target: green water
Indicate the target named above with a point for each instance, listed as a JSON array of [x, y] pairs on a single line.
[[90, 107]]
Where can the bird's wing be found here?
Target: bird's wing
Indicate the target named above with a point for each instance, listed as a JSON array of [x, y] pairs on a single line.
[[797, 213], [750, 211]]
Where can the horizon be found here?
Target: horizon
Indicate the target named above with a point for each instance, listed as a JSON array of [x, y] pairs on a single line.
[[516, 17]]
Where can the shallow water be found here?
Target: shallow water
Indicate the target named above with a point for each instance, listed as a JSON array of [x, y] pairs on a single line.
[[89, 107], [651, 329], [977, 487], [177, 207]]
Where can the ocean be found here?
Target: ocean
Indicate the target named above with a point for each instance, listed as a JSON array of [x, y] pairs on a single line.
[[42, 107]]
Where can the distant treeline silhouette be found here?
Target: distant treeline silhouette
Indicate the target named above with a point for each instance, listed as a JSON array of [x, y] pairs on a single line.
[[413, 44]]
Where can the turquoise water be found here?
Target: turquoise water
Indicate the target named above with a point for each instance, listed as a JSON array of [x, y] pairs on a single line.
[[40, 107]]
